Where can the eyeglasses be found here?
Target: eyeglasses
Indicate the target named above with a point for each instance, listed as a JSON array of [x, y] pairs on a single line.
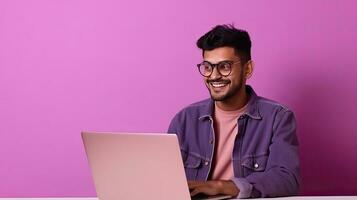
[[224, 68]]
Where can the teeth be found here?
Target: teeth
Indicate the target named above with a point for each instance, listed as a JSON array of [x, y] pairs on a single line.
[[218, 84]]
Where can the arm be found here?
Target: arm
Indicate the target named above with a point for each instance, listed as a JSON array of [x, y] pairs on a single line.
[[173, 127], [213, 187], [281, 175]]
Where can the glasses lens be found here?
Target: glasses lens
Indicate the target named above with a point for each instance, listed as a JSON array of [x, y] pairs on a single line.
[[205, 69], [224, 68]]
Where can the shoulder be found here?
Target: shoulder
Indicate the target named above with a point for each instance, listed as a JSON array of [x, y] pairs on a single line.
[[200, 105], [275, 113], [196, 109], [266, 105], [261, 107], [190, 115]]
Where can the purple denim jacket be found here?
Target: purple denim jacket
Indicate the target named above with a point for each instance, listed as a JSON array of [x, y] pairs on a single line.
[[265, 154]]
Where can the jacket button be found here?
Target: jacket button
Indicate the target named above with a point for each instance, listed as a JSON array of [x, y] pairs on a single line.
[[256, 165], [206, 163], [211, 141]]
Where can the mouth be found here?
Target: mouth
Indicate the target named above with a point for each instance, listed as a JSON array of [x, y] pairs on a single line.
[[218, 84]]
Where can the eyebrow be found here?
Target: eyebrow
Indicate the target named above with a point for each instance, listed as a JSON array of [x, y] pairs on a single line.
[[218, 62]]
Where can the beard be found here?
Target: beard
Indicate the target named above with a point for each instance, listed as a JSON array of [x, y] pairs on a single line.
[[232, 91]]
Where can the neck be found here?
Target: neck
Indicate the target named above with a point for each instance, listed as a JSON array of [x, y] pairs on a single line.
[[236, 102]]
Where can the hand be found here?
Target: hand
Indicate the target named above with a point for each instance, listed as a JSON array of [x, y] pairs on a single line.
[[213, 187]]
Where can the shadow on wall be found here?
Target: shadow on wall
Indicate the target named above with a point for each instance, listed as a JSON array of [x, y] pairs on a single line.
[[325, 114]]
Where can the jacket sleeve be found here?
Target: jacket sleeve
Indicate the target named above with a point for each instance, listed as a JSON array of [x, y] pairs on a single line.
[[174, 125], [281, 175]]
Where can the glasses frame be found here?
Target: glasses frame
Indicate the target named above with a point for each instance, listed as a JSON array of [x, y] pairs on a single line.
[[216, 66]]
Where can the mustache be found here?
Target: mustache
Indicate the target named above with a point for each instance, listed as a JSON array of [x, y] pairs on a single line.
[[218, 81]]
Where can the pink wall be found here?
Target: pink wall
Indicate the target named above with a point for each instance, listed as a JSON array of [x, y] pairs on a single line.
[[67, 66]]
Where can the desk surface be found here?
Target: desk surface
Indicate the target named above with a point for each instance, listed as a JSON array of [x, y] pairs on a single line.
[[281, 198]]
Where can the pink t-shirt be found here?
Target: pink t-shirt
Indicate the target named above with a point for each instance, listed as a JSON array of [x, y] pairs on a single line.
[[226, 129]]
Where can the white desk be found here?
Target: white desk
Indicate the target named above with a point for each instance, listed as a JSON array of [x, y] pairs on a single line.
[[281, 198]]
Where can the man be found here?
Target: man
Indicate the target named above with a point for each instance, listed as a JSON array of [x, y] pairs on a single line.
[[236, 143]]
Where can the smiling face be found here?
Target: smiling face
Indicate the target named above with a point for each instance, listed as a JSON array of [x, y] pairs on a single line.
[[225, 88]]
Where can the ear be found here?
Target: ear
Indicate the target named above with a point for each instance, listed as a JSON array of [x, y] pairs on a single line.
[[249, 69]]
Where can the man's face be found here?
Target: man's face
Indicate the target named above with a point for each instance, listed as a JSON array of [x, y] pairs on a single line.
[[223, 88]]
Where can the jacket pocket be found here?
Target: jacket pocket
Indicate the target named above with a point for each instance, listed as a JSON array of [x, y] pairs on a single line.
[[192, 163], [256, 163]]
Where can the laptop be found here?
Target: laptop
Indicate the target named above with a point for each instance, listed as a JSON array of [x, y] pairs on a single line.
[[137, 166]]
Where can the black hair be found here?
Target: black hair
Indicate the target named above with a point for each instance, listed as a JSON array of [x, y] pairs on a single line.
[[227, 36]]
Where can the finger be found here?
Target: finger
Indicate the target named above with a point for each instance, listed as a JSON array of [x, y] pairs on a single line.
[[195, 183], [205, 189], [192, 187], [195, 192], [191, 182]]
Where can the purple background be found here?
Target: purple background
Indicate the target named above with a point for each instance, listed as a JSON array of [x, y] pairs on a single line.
[[73, 65]]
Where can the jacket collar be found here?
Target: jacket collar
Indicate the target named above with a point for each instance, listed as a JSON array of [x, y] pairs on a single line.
[[252, 107]]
